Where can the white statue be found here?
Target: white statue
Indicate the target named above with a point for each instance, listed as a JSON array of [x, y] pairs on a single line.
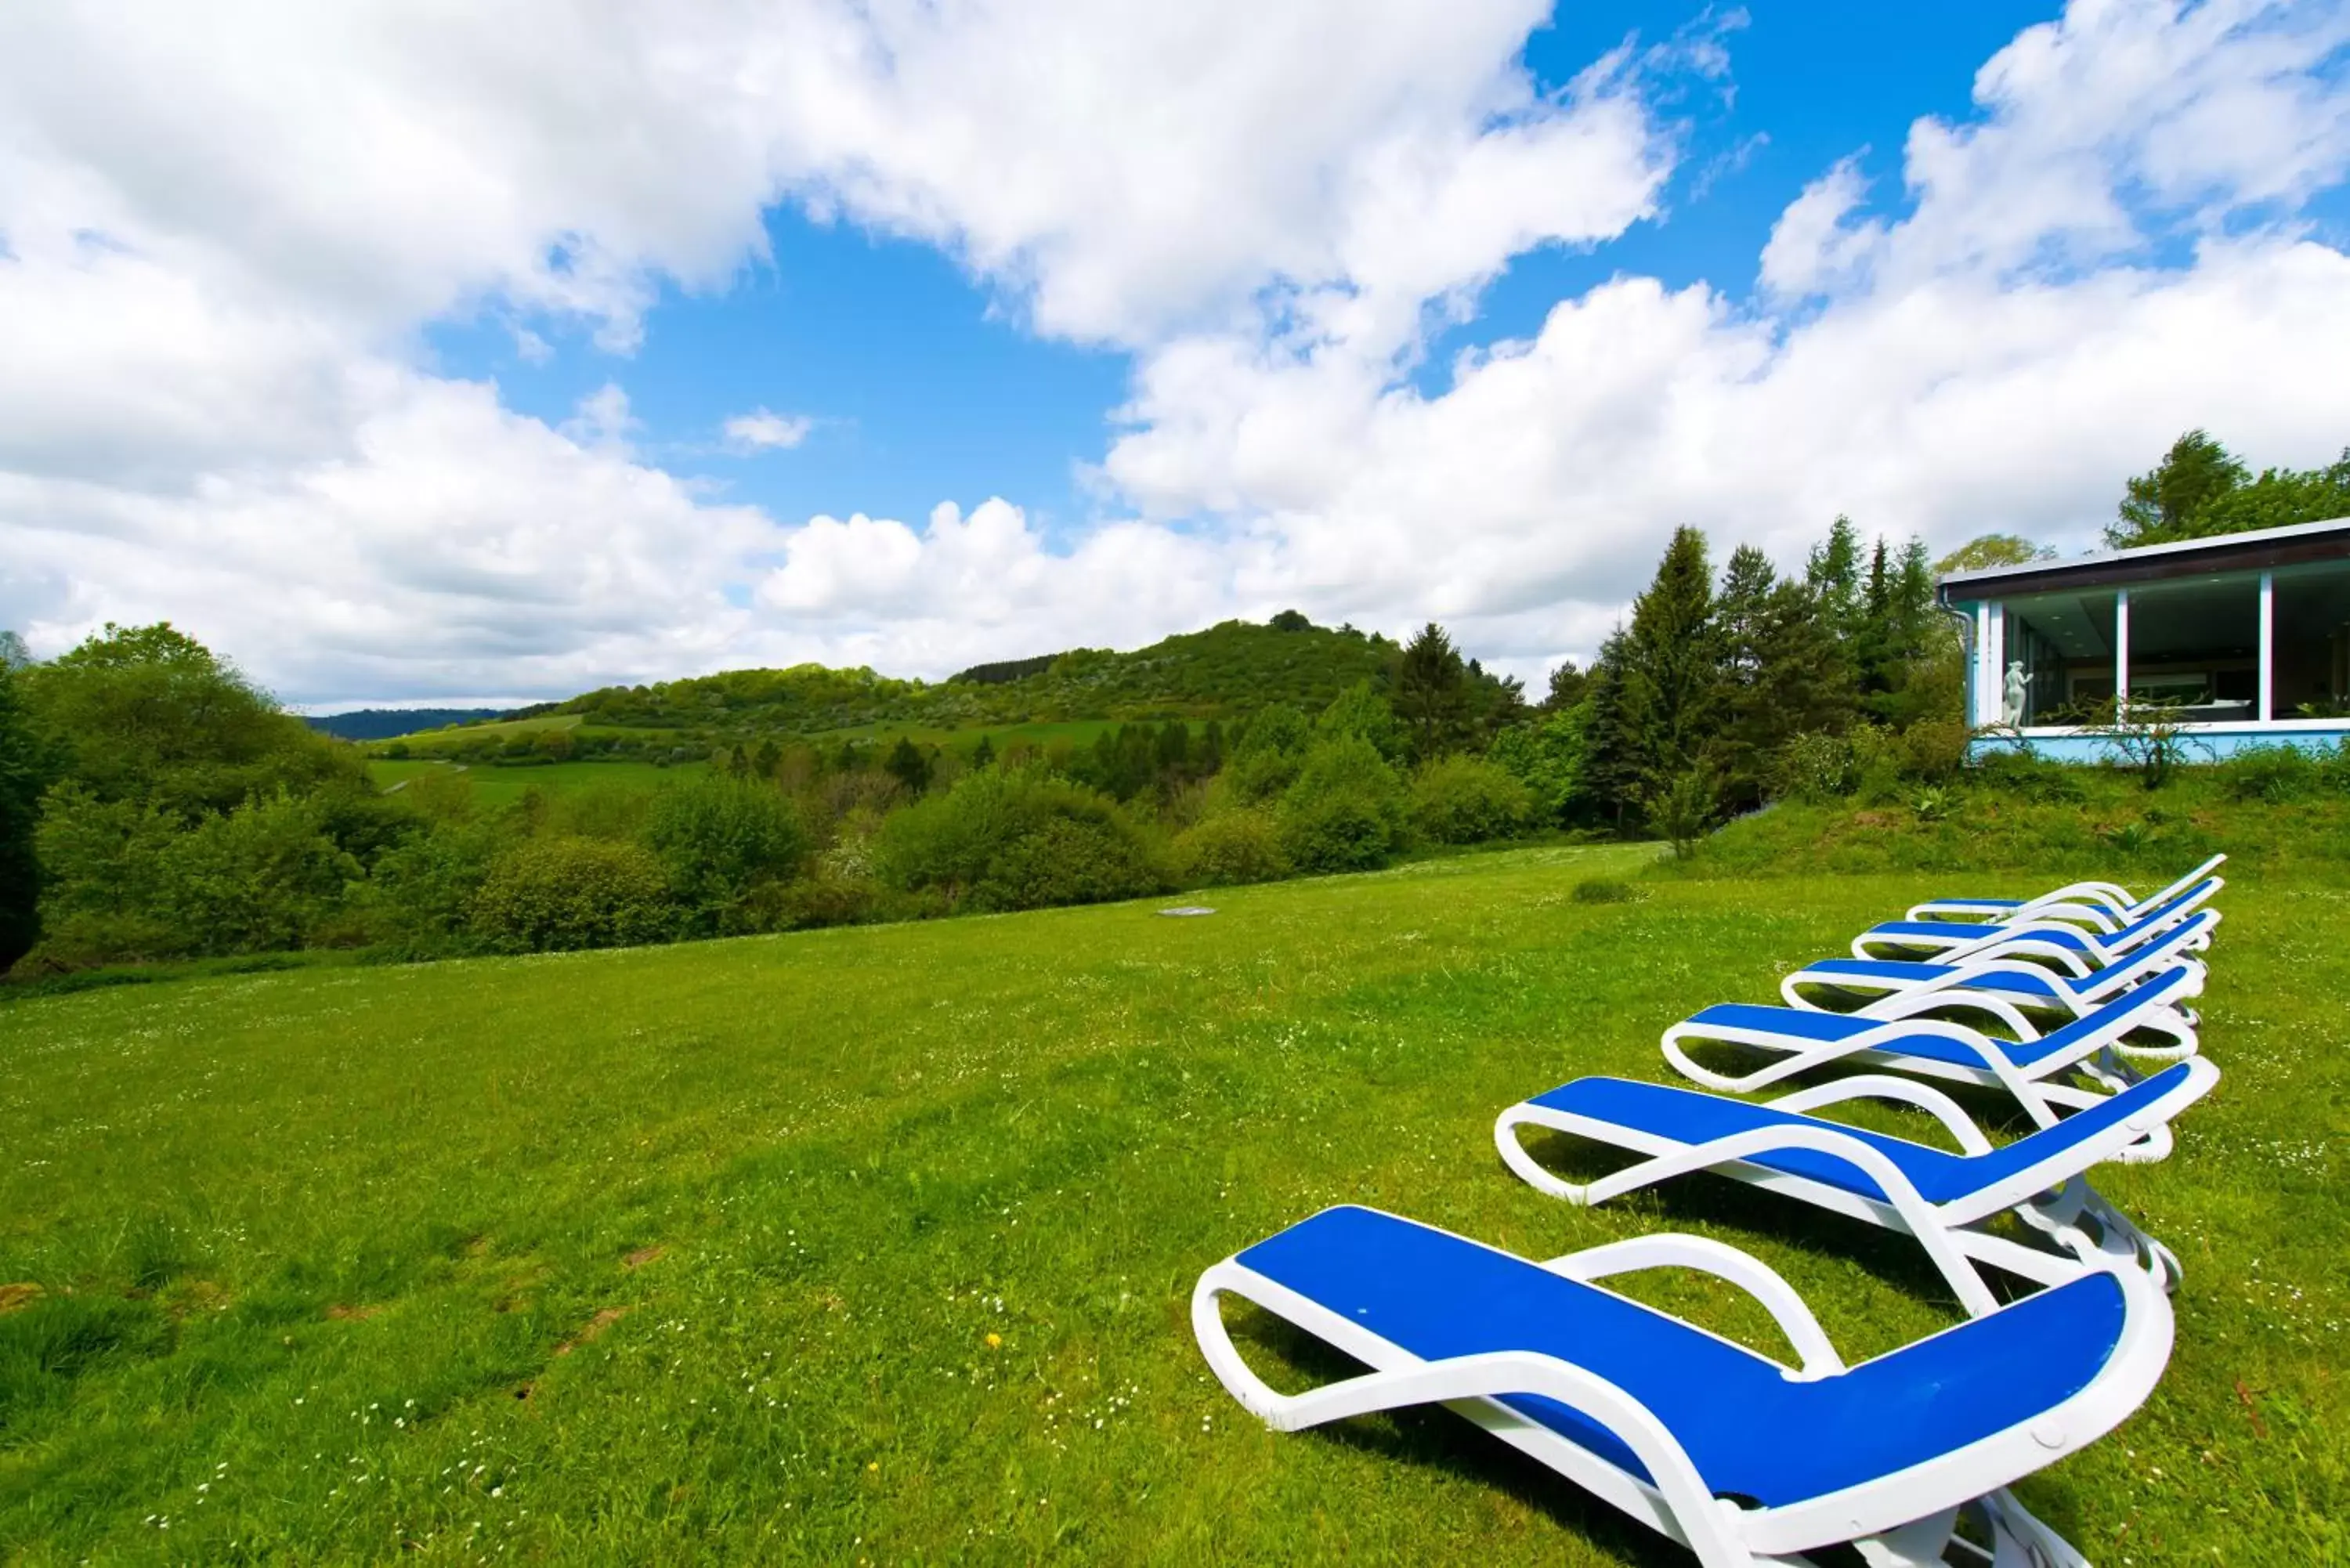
[[2016, 681]]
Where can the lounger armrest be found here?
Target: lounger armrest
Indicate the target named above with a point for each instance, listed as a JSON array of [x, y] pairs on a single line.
[[1814, 1353], [1900, 1193], [1708, 1528], [1904, 1091]]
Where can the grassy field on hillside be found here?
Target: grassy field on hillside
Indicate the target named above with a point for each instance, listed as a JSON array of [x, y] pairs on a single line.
[[497, 786], [875, 1245], [1075, 731]]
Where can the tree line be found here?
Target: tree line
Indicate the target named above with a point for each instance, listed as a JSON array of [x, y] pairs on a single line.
[[155, 803]]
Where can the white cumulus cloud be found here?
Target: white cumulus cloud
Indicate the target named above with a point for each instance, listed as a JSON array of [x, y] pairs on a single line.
[[760, 430], [221, 233]]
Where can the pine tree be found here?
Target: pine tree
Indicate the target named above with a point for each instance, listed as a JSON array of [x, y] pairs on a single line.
[[1833, 573], [909, 766], [1566, 686], [1672, 664], [1800, 681], [1611, 777], [983, 753], [1431, 693]]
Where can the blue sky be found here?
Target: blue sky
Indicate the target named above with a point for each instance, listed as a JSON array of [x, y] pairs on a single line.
[[399, 363], [925, 383]]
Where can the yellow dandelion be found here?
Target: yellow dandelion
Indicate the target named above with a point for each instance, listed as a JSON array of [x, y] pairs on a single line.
[[994, 1342]]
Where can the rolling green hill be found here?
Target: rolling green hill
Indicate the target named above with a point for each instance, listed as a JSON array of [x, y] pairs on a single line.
[[1226, 672]]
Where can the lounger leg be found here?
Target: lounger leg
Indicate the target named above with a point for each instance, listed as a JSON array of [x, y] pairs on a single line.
[[2020, 1541], [2059, 1215], [1918, 1544]]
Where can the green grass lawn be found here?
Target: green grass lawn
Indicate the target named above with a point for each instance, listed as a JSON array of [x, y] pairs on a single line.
[[876, 1244], [497, 786]]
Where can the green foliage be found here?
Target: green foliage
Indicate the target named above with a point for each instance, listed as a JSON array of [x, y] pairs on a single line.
[[1014, 839], [1267, 754], [1784, 675], [2277, 499], [417, 900], [23, 776], [556, 893], [909, 766], [1604, 890], [1989, 550], [1564, 688], [1232, 846], [1467, 800], [1346, 811], [2273, 774], [1671, 667], [720, 839], [1360, 712], [148, 714], [2201, 489], [1432, 695], [132, 880], [1683, 810], [1546, 754], [2148, 738]]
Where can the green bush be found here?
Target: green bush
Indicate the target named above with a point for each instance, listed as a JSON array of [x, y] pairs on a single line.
[[1815, 768], [1241, 846], [1346, 811], [1546, 754], [991, 843], [720, 839], [132, 881], [1072, 857], [2273, 774], [1603, 891], [561, 892], [1466, 800], [418, 899]]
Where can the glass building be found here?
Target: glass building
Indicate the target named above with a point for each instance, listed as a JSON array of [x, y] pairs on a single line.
[[2243, 639]]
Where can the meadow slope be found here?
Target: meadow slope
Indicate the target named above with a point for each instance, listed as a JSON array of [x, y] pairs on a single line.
[[876, 1244]]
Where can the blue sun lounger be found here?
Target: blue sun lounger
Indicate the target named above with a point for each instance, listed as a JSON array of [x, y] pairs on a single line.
[[2020, 994], [1741, 1458], [2108, 898], [2053, 939], [1930, 1047], [1942, 1197]]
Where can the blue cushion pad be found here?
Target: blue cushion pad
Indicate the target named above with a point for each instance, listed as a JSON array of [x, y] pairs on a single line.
[[2040, 986], [1750, 1431], [1801, 1026], [1941, 1176]]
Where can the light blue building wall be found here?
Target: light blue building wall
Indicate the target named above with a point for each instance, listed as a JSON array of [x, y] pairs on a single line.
[[2243, 639]]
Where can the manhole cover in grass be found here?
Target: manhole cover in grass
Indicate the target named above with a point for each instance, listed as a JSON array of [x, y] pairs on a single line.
[[1188, 910]]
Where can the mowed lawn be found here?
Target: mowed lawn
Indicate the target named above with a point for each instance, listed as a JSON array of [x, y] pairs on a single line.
[[876, 1245]]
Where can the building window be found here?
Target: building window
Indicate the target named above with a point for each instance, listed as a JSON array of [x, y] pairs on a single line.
[[2195, 647], [2311, 631], [2058, 659]]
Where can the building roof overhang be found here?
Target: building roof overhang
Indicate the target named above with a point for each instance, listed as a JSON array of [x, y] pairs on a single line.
[[2259, 549]]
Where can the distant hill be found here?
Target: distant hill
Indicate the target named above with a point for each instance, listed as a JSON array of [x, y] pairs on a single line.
[[1229, 670], [383, 724]]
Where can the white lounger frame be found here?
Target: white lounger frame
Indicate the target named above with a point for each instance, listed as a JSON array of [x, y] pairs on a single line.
[[2053, 1197], [1901, 1520], [1954, 992], [2046, 935], [2030, 1084], [2110, 901]]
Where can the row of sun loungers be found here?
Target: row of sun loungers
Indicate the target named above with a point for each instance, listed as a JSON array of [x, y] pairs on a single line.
[[1746, 1458]]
